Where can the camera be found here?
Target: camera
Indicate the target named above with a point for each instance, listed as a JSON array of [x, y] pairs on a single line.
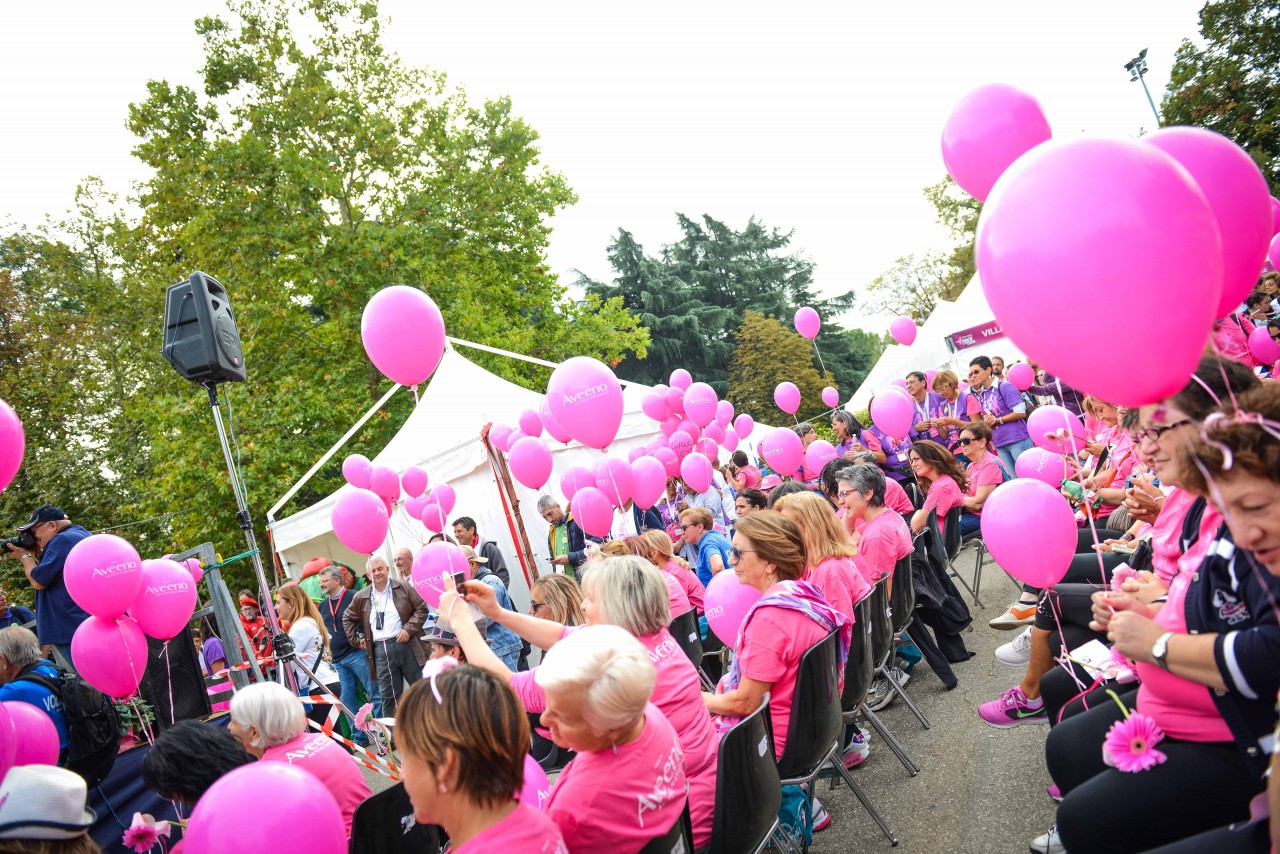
[[24, 540]]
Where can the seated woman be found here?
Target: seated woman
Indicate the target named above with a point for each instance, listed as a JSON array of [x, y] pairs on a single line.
[[884, 538], [943, 479], [984, 474], [677, 597], [627, 783], [310, 639], [627, 592], [557, 597], [462, 738], [828, 552], [848, 430], [271, 725], [662, 556], [1105, 479], [188, 758]]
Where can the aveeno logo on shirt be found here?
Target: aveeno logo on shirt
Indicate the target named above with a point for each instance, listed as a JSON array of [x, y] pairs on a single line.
[[115, 569], [586, 394], [308, 749], [662, 650], [663, 785]]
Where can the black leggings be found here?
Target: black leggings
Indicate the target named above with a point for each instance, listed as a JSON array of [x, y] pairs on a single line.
[[1065, 698], [1065, 610], [1201, 786], [1084, 566], [1250, 839]]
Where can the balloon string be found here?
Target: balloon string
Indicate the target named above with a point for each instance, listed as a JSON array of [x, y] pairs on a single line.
[[819, 355], [137, 680], [168, 671]]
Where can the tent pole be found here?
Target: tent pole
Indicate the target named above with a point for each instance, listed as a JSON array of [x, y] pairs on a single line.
[[511, 509]]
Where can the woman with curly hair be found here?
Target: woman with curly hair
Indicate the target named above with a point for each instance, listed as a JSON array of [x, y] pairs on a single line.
[[941, 476]]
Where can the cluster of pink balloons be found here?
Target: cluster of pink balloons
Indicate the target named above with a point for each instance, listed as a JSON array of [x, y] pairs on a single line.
[[12, 445], [403, 334], [361, 514]]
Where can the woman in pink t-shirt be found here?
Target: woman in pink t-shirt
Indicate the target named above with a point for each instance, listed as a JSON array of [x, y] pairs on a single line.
[[884, 538], [463, 742], [662, 555], [742, 475], [828, 551], [946, 483], [985, 473]]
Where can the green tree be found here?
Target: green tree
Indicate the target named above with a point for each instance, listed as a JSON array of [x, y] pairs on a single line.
[[958, 213], [1232, 84], [769, 353], [913, 286]]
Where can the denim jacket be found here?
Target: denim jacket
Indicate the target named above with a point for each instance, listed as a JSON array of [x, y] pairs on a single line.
[[505, 643]]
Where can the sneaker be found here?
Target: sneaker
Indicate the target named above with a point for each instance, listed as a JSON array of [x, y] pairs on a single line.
[[1048, 843], [881, 694], [822, 818], [857, 751], [1055, 792], [1019, 614], [1012, 709], [1017, 651]]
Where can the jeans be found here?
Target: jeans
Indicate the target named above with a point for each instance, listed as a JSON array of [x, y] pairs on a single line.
[[1009, 454], [353, 671], [396, 665], [64, 652], [969, 522]]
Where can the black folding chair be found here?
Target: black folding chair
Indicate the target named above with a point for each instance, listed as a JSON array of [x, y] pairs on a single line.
[[976, 537], [858, 673], [748, 789], [677, 840], [882, 635], [940, 549], [684, 629]]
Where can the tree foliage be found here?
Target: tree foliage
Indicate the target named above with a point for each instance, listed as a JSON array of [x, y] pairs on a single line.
[[768, 353], [1232, 84]]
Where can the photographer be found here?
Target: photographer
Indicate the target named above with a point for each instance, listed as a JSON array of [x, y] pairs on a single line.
[[51, 535]]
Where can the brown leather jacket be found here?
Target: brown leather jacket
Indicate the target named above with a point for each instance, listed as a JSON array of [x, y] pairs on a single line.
[[413, 616]]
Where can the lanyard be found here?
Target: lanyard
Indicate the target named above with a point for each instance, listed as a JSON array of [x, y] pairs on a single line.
[[333, 611]]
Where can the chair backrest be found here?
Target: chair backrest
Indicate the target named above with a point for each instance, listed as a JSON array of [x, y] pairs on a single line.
[[816, 720], [684, 629], [748, 790], [677, 840], [902, 599], [951, 538], [881, 622], [859, 669]]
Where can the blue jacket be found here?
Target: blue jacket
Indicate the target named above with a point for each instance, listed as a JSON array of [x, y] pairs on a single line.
[[16, 616], [505, 643], [35, 694], [57, 615]]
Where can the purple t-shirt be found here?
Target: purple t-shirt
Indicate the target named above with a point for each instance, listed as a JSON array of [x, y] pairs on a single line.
[[999, 400]]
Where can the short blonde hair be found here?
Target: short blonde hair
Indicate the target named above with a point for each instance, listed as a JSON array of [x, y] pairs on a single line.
[[823, 535], [945, 378], [606, 666], [631, 594], [614, 548], [698, 516], [273, 709]]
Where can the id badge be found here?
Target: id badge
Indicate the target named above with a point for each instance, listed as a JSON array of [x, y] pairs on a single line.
[[379, 619]]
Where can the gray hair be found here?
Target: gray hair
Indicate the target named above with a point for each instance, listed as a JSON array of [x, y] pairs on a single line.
[[864, 478], [545, 503], [804, 428], [273, 709], [374, 560], [631, 593], [333, 572], [606, 666], [849, 420], [865, 457], [19, 646]]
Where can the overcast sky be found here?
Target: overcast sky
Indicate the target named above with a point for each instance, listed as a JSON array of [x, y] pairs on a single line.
[[818, 117]]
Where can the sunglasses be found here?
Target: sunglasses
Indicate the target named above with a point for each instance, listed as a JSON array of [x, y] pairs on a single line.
[[737, 553], [690, 525], [1153, 434], [536, 605], [974, 372], [966, 442]]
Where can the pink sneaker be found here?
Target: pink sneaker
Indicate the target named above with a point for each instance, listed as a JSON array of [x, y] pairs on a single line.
[[1055, 792], [1013, 709]]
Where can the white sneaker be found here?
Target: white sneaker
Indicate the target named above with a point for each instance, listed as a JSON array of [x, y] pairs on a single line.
[[1048, 843], [1016, 652]]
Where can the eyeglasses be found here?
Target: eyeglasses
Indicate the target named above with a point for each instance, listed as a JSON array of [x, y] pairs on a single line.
[[1153, 434], [966, 442], [690, 525], [737, 553], [974, 372], [842, 493]]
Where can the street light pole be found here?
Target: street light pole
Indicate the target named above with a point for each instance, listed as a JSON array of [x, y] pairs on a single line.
[[1137, 68]]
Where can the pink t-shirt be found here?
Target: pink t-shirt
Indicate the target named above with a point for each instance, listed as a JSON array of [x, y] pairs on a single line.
[[321, 757], [885, 539], [840, 582], [617, 802], [525, 829], [770, 652], [985, 472], [943, 495], [751, 477], [896, 498], [678, 599], [693, 589]]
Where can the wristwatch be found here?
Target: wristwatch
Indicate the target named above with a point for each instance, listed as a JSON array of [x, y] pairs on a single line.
[[1160, 650]]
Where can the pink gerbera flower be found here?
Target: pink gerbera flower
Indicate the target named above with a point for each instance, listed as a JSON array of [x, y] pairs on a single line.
[[365, 720], [1131, 744], [1121, 574], [144, 833]]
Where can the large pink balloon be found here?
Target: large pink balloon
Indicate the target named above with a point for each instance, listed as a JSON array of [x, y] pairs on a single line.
[[530, 462], [1042, 465], [674, 399], [1037, 554], [783, 451], [669, 425], [903, 330], [12, 444], [434, 517], [585, 398], [898, 382], [1057, 430], [359, 520], [530, 423], [551, 425], [830, 397], [414, 505], [743, 425], [892, 413], [1263, 346], [1076, 217], [1237, 194], [103, 574], [700, 403], [695, 470], [167, 599], [218, 822], [670, 461], [385, 482], [403, 333], [681, 443], [536, 790], [613, 478], [648, 481], [110, 654], [724, 413], [36, 741], [592, 511], [1021, 376], [707, 447], [500, 437], [987, 131], [730, 440], [415, 481], [358, 471], [727, 602], [574, 478], [818, 454], [714, 432], [1273, 252], [431, 564], [808, 323], [1275, 215], [681, 379], [8, 739], [654, 405], [635, 454], [445, 496], [787, 397]]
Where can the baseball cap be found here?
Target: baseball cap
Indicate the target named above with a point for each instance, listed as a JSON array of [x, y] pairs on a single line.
[[472, 557], [439, 634], [770, 481], [43, 802], [43, 513]]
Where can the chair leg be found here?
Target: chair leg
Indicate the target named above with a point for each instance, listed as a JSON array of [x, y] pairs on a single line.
[[977, 572], [866, 801], [706, 680], [907, 760], [897, 689], [775, 837], [972, 591]]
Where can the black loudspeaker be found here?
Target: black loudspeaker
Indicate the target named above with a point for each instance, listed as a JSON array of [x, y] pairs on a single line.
[[201, 340], [179, 678]]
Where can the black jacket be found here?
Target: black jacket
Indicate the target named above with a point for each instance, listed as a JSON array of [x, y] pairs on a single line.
[[497, 565], [646, 520]]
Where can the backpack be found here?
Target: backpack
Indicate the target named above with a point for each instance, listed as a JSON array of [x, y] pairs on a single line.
[[93, 726]]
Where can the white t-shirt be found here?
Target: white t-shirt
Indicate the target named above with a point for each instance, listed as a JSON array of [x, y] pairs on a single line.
[[624, 524], [310, 651], [384, 603]]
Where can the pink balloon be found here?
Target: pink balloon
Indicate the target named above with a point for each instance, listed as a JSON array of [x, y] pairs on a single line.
[[1273, 252], [675, 402], [724, 413], [217, 824], [808, 323], [360, 520], [167, 600], [415, 505], [648, 481], [1038, 554], [743, 425], [193, 566], [357, 470], [660, 442], [613, 478], [445, 497], [414, 480], [36, 741], [551, 425], [1263, 347], [654, 405], [903, 330], [787, 396], [1021, 376], [1041, 465], [13, 444], [695, 470], [500, 437], [727, 602], [669, 425], [818, 454], [530, 423], [1075, 217], [103, 574], [574, 478], [514, 436], [730, 440], [530, 462], [670, 461], [1238, 196], [928, 377], [592, 511], [9, 739], [1057, 430], [661, 390], [536, 790], [987, 131], [585, 398], [681, 379], [692, 429], [714, 432], [681, 443], [430, 566], [700, 402], [783, 451], [892, 413], [403, 333], [899, 383], [830, 397], [434, 517], [110, 654], [385, 482], [1275, 215], [707, 447], [964, 386], [636, 453]]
